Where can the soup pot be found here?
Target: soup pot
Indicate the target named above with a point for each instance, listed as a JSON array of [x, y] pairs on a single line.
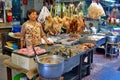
[[50, 66]]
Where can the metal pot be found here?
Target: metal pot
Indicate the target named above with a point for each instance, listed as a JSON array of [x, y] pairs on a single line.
[[51, 66], [112, 38]]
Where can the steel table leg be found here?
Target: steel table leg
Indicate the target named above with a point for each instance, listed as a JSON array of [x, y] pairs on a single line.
[[9, 73]]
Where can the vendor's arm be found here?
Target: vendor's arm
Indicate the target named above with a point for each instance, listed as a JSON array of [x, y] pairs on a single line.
[[22, 41], [47, 41], [44, 37]]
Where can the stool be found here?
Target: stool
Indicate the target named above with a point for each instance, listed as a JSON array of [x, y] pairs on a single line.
[[112, 49]]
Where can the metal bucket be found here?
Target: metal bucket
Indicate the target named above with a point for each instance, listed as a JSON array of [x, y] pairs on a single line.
[[50, 66], [112, 39]]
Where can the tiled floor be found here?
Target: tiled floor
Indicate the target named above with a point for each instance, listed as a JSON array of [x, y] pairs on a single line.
[[102, 68]]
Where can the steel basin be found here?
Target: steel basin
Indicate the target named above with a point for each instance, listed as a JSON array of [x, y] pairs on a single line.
[[52, 69], [112, 39]]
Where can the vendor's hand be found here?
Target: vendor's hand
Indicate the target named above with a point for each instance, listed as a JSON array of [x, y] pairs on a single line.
[[50, 42]]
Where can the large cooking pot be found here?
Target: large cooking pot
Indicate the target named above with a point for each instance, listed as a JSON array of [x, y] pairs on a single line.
[[50, 66], [112, 39]]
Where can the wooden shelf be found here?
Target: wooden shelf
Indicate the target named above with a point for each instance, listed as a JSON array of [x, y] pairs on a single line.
[[5, 38], [5, 24]]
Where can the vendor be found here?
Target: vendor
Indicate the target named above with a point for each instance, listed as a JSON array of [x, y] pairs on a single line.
[[92, 28], [32, 32]]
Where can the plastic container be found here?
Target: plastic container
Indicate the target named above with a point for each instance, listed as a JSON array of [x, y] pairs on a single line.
[[16, 28], [9, 43], [15, 46]]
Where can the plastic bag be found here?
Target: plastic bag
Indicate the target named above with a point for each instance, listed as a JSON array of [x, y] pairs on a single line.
[[43, 14], [101, 10], [93, 11]]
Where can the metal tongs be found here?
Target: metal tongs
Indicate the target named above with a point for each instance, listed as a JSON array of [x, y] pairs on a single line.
[[36, 57]]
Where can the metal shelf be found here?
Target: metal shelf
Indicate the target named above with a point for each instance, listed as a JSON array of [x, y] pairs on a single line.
[[112, 49]]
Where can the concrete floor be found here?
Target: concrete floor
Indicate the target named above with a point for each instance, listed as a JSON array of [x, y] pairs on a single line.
[[3, 73], [102, 68]]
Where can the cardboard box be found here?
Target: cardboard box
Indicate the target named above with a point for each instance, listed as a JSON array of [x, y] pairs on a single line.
[[23, 61]]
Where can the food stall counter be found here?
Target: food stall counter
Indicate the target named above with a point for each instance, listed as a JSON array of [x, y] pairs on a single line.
[[69, 64], [5, 25], [98, 40]]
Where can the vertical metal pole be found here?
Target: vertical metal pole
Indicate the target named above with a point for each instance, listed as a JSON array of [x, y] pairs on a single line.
[[9, 73], [4, 12], [80, 67]]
